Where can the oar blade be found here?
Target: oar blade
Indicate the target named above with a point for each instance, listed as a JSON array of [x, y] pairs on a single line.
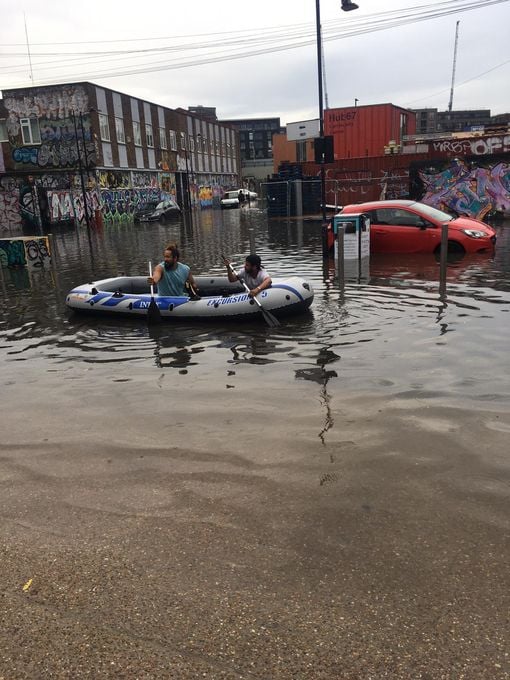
[[270, 319], [153, 313]]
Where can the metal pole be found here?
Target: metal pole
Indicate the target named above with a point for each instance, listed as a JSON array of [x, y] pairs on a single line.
[[443, 263], [324, 228], [83, 190], [340, 255]]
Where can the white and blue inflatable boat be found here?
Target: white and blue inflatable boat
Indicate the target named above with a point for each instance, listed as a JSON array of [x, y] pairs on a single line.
[[219, 299]]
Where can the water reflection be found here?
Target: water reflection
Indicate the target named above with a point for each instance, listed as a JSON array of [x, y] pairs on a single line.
[[386, 321]]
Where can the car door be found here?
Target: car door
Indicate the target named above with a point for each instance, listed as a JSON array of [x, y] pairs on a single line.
[[398, 230]]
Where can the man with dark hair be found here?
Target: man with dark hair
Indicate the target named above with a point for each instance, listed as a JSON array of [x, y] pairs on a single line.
[[253, 274], [171, 276]]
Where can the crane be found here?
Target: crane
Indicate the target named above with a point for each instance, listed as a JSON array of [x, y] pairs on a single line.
[[450, 103]]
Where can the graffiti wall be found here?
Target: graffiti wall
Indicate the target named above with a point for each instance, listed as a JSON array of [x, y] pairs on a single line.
[[10, 216], [119, 205], [61, 123], [466, 187], [26, 251]]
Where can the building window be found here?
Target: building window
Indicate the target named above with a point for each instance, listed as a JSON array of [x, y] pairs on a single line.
[[183, 141], [119, 130], [3, 130], [148, 134], [137, 133], [301, 151], [30, 130], [104, 127], [173, 140], [162, 138]]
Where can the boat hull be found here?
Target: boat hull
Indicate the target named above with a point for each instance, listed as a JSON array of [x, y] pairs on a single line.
[[219, 299]]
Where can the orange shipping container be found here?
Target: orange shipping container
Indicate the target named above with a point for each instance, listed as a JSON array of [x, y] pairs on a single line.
[[367, 130]]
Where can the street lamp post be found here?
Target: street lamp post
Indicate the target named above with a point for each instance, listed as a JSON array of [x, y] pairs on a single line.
[[347, 6]]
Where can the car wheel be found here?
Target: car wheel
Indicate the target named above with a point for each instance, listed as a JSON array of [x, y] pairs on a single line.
[[454, 248]]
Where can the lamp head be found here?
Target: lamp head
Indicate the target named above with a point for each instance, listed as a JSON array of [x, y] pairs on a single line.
[[347, 5]]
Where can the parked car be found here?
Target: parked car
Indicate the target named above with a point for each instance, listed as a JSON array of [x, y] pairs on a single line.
[[157, 210], [412, 227], [231, 198]]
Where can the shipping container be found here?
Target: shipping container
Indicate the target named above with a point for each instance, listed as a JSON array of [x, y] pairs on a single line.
[[373, 130]]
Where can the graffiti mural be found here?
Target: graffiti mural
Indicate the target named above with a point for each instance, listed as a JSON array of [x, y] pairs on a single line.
[[168, 184], [10, 217], [205, 197], [118, 205], [145, 179], [67, 205], [114, 179], [29, 206], [60, 155], [61, 207], [465, 188], [26, 251], [51, 103]]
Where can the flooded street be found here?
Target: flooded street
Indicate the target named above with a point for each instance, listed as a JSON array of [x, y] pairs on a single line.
[[324, 499]]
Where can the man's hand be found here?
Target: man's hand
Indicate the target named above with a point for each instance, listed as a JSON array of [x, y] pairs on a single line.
[[150, 281], [253, 292], [226, 262]]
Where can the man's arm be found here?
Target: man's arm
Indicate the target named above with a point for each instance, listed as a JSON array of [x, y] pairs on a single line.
[[157, 273], [232, 276], [265, 284]]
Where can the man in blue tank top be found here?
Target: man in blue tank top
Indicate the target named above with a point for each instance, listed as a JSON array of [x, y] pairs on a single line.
[[171, 276]]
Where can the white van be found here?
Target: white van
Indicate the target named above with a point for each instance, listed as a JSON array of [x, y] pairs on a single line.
[[231, 198]]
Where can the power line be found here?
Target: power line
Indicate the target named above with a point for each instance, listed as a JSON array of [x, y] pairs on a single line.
[[280, 39]]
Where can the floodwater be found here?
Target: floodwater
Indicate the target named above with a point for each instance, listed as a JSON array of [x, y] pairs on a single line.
[[389, 330], [342, 477]]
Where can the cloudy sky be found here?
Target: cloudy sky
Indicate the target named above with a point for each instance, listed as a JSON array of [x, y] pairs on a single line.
[[235, 56]]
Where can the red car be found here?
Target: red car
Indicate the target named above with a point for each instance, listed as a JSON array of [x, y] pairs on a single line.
[[411, 227]]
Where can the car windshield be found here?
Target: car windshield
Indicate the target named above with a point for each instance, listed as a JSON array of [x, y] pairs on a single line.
[[431, 212], [151, 205], [232, 194]]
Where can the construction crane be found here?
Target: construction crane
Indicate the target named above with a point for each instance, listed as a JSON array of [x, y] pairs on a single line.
[[450, 103]]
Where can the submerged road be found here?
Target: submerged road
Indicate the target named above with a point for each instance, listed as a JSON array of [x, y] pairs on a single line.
[[151, 532]]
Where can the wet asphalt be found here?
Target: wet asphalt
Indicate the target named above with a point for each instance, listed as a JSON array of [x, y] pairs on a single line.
[[151, 532]]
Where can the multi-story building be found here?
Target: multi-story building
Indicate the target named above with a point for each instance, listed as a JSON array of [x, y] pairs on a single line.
[[71, 151], [429, 121], [256, 146]]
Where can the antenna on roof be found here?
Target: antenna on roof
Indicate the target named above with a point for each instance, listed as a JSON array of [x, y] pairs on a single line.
[[28, 49], [450, 103]]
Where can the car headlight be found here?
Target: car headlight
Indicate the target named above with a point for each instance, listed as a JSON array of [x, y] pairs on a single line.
[[474, 233]]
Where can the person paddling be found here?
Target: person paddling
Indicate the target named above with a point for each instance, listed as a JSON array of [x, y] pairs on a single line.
[[253, 274], [172, 277]]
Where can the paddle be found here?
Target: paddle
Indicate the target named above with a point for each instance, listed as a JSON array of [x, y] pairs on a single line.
[[269, 318], [153, 313]]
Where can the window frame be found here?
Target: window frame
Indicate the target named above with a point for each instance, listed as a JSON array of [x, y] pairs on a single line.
[[104, 127], [173, 140], [137, 133], [121, 138], [30, 123], [149, 135], [183, 141], [162, 139]]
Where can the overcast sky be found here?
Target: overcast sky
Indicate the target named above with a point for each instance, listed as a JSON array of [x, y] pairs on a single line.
[[409, 65]]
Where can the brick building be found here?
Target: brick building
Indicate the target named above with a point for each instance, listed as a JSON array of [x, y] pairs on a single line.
[[62, 145]]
